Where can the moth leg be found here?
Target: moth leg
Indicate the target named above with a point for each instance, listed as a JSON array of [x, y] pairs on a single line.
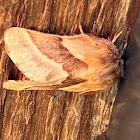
[[25, 85]]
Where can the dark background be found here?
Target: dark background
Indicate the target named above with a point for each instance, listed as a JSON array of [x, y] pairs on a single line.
[[125, 121]]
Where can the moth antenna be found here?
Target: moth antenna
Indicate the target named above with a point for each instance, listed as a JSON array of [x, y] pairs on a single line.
[[93, 42], [90, 40], [116, 36], [81, 30]]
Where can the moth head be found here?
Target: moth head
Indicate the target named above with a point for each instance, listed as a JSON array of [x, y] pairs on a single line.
[[106, 66]]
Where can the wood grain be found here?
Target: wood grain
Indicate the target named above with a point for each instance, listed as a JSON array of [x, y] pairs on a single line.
[[68, 116]]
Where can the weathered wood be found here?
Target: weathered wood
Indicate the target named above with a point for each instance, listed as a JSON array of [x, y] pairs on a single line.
[[69, 116]]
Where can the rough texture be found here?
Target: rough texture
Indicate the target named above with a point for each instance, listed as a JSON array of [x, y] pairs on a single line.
[[67, 116]]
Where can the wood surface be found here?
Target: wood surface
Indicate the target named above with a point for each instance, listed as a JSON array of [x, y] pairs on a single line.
[[57, 115]]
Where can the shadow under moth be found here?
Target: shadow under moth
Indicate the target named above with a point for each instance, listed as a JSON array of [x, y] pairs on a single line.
[[79, 63]]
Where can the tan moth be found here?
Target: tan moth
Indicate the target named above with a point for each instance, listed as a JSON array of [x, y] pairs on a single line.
[[79, 63]]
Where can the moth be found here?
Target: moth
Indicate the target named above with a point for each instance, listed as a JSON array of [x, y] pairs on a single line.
[[79, 63]]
